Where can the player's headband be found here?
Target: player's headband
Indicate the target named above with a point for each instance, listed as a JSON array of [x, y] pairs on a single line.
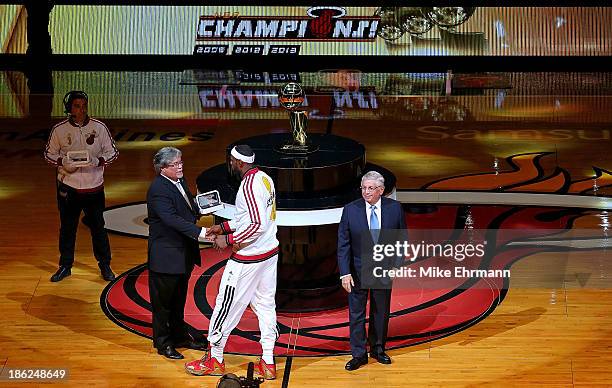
[[244, 158]]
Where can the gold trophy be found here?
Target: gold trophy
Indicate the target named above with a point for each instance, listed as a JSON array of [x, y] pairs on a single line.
[[291, 97]]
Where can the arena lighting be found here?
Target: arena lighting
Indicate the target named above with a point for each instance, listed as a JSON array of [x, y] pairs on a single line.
[[544, 110], [126, 190], [154, 144], [448, 17], [403, 160], [504, 142], [389, 27], [395, 21], [160, 114], [413, 20], [416, 24], [8, 190]]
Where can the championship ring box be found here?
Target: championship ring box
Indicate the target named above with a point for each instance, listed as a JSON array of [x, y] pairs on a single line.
[[209, 202], [78, 158]]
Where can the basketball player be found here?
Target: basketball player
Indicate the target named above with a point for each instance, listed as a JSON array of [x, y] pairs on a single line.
[[249, 277]]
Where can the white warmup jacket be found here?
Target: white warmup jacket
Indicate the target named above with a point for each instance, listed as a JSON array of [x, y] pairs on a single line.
[[94, 137], [254, 225]]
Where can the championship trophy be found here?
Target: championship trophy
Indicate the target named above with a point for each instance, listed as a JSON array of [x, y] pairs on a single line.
[[291, 97]]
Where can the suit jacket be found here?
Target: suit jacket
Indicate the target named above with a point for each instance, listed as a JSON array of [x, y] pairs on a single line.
[[173, 236], [354, 228]]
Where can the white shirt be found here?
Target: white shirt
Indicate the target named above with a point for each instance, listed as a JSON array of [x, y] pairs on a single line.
[[179, 187]]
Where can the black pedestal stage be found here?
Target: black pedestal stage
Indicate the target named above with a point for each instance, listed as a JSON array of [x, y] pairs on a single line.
[[311, 190]]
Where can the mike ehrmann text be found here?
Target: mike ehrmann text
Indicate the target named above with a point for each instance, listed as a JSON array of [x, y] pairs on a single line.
[[437, 272]]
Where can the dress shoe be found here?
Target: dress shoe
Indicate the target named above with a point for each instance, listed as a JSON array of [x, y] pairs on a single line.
[[168, 351], [356, 362], [62, 272], [193, 344], [381, 357], [106, 272]]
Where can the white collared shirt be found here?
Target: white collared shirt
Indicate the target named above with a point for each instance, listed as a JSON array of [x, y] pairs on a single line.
[[177, 184]]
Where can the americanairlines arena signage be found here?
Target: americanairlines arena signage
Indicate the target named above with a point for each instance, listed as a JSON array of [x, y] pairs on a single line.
[[323, 23]]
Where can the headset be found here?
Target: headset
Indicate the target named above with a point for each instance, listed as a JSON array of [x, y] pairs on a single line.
[[71, 96]]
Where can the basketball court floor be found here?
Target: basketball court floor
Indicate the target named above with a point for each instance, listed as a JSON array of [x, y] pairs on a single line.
[[495, 152]]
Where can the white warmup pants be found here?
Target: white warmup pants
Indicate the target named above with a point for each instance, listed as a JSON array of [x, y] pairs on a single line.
[[241, 285]]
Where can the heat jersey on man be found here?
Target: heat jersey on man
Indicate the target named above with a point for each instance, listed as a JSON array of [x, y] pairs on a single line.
[[249, 277], [252, 231]]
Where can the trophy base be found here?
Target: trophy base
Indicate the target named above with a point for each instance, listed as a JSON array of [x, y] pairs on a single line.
[[296, 149]]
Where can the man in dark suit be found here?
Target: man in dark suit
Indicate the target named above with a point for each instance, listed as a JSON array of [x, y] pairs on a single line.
[[172, 253], [360, 226]]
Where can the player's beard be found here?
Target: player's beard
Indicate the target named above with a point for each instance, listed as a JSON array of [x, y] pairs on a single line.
[[236, 173]]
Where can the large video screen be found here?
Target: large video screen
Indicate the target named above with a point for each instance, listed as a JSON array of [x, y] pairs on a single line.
[[331, 30], [13, 38]]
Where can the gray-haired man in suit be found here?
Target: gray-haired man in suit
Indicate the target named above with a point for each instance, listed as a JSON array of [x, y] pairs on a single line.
[[173, 251]]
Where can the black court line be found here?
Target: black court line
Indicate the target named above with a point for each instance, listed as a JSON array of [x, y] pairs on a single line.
[[287, 372]]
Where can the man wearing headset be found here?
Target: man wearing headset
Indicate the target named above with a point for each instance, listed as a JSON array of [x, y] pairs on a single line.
[[80, 181]]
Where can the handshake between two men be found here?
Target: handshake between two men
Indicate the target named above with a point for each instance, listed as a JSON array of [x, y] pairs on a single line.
[[219, 239]]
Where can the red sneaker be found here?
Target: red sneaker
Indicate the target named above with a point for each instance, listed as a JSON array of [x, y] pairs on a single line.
[[267, 371], [206, 366]]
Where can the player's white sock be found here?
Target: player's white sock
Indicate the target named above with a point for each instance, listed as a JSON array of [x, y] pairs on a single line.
[[268, 357], [217, 353]]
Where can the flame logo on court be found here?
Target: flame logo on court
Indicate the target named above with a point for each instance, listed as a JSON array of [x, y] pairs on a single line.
[[417, 315]]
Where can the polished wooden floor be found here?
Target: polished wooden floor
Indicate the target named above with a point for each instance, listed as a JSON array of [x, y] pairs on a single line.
[[554, 337]]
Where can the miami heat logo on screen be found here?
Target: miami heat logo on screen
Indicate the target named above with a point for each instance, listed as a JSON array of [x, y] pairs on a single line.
[[419, 313], [322, 25], [319, 23]]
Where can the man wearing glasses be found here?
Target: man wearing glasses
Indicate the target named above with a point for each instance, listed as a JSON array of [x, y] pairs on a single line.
[[364, 218], [173, 252]]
